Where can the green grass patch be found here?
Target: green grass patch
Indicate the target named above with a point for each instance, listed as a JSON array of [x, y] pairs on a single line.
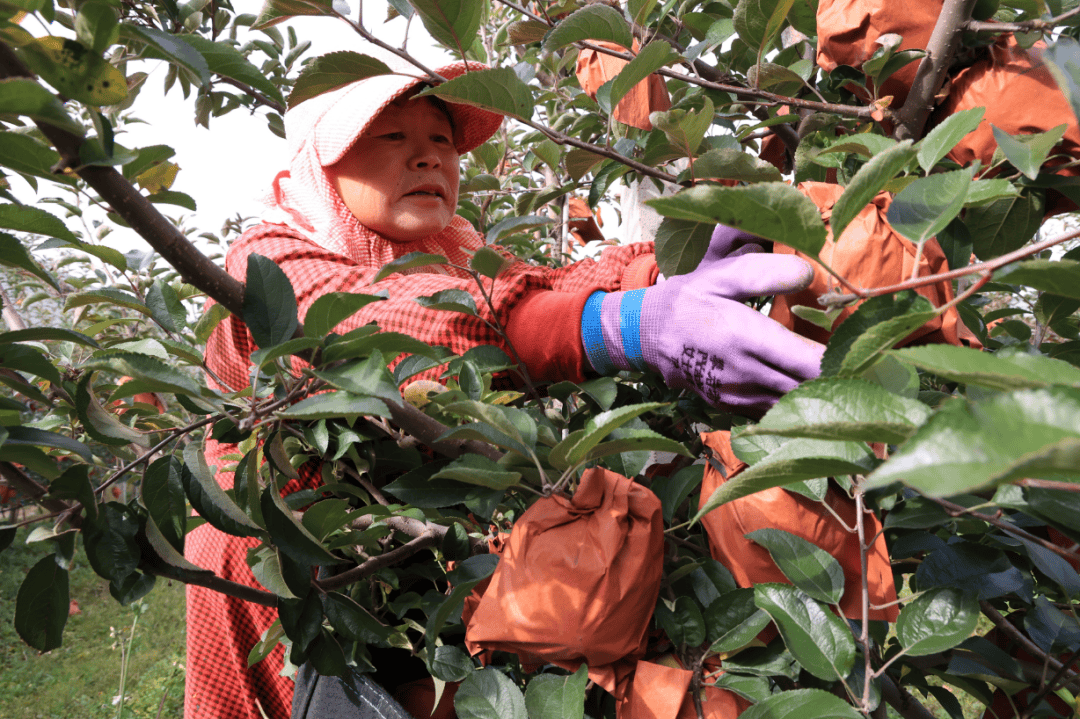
[[82, 677]]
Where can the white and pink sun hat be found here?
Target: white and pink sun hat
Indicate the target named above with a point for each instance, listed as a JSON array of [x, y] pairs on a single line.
[[332, 121]]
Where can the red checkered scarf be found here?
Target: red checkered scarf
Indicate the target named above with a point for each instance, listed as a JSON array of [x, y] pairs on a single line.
[[304, 198]]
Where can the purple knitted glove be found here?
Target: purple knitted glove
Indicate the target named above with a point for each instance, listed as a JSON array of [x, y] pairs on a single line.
[[695, 332]]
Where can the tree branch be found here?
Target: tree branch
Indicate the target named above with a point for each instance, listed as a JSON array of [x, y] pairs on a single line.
[[209, 580], [989, 266], [940, 50], [25, 484], [1029, 646], [1024, 26], [195, 268], [428, 539], [955, 510]]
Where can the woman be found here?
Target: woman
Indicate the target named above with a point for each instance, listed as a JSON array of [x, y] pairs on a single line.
[[373, 176]]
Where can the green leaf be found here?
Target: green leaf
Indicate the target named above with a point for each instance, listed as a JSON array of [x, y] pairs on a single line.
[[43, 438], [794, 461], [649, 59], [489, 694], [329, 310], [636, 440], [1035, 435], [367, 377], [408, 262], [927, 205], [162, 493], [453, 23], [42, 604], [24, 218], [479, 470], [30, 156], [592, 22], [225, 60], [158, 376], [332, 405], [1006, 370], [209, 499], [109, 295], [673, 489], [801, 704], [844, 409], [1063, 60], [101, 425], [759, 21], [937, 621], [75, 71], [983, 192], [820, 641], [289, 534], [499, 90], [867, 183], [110, 542], [452, 300], [269, 302], [275, 11], [685, 129], [1059, 277], [489, 262], [352, 621], [725, 163], [38, 334], [22, 96], [550, 696], [452, 664], [14, 254], [166, 552], [513, 225], [874, 327], [1005, 225], [943, 138], [160, 44], [331, 71], [732, 621], [24, 358], [602, 424], [1027, 152], [165, 306], [771, 210], [807, 566], [96, 26], [680, 245]]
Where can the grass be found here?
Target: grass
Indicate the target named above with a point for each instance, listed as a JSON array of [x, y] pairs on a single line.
[[82, 677]]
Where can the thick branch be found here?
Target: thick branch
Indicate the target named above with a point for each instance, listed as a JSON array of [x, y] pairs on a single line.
[[901, 700], [428, 430], [942, 47], [194, 267]]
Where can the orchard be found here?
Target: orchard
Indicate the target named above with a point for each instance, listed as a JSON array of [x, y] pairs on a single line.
[[905, 526]]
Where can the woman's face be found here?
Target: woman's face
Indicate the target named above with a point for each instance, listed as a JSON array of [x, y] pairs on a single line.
[[400, 179]]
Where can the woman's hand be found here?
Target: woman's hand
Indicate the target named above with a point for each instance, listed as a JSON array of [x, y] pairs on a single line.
[[694, 330]]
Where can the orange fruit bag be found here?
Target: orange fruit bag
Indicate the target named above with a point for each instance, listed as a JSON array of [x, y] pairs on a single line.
[[577, 581], [869, 254], [776, 508]]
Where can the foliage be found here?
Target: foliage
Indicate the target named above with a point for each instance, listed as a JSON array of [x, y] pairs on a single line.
[[977, 491]]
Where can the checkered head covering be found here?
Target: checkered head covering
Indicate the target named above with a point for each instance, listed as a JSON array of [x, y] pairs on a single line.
[[320, 131]]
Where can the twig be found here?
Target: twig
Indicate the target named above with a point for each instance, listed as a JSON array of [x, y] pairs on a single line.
[[955, 510], [864, 636], [376, 563], [940, 50], [1058, 676], [1023, 26], [1050, 484], [990, 265], [259, 97], [25, 484], [1029, 646], [900, 699], [173, 436]]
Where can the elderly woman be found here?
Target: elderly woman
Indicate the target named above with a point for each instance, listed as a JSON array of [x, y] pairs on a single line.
[[373, 176]]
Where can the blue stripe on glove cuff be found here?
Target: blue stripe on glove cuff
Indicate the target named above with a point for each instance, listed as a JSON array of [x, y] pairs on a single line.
[[630, 327], [592, 335]]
